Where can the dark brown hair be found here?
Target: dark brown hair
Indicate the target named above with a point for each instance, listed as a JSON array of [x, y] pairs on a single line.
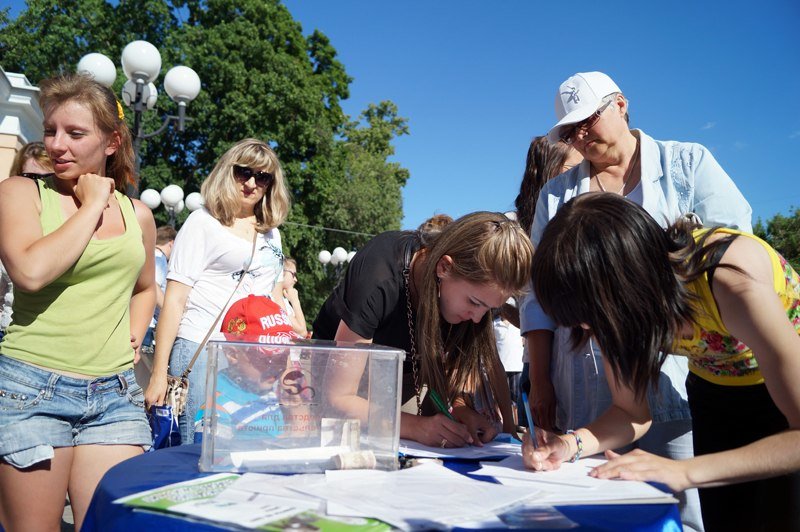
[[543, 163], [604, 262]]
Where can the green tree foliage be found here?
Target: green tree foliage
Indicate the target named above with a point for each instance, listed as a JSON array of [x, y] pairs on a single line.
[[262, 78], [783, 234]]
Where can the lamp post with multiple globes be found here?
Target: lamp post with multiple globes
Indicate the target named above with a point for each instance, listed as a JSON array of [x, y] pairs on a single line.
[[172, 199], [141, 62]]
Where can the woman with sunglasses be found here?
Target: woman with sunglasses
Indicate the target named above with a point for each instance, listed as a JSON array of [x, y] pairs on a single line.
[[245, 196], [667, 178], [430, 295], [722, 298], [81, 256]]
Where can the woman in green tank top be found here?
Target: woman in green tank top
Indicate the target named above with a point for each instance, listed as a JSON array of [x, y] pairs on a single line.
[[80, 254]]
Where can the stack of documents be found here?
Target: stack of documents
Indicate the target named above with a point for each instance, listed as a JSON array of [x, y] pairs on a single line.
[[427, 496]]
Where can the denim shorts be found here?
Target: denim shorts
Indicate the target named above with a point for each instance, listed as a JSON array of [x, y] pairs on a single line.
[[41, 410]]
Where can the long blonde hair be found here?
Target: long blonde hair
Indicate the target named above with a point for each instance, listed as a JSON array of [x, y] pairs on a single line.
[[221, 193], [486, 248], [102, 103]]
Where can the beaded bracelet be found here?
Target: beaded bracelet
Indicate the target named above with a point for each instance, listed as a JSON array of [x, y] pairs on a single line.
[[579, 443]]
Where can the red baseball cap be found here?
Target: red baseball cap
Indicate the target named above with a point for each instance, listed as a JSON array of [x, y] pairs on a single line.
[[261, 317]]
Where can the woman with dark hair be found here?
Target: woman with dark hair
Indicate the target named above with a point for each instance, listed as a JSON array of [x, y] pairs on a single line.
[[726, 300], [430, 297], [80, 254], [545, 160], [245, 198]]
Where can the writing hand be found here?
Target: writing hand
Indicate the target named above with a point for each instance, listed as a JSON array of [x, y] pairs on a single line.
[[553, 450], [439, 431]]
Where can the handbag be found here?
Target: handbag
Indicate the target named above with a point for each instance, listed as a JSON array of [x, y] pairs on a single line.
[[178, 387]]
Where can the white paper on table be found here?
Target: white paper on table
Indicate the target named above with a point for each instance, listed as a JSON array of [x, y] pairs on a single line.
[[571, 484], [570, 474], [256, 488], [492, 449], [424, 496], [273, 457]]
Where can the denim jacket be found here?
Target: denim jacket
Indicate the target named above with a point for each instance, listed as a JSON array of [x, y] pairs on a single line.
[[677, 178]]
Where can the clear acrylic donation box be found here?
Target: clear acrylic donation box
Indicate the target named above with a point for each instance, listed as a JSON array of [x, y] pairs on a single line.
[[303, 407]]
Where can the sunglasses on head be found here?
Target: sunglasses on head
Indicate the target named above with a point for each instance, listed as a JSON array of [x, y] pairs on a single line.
[[244, 173], [34, 175]]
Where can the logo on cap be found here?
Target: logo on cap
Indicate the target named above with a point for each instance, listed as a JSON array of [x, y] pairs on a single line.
[[573, 94]]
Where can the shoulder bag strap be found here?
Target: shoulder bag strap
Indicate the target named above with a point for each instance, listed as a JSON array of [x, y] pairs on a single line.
[[214, 325]]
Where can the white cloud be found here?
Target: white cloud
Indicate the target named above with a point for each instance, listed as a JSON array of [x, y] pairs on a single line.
[[709, 125]]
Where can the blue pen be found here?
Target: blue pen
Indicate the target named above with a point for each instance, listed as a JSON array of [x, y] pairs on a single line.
[[531, 427]]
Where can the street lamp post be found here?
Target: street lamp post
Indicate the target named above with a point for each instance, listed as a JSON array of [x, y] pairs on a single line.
[[337, 258], [172, 198], [141, 62]]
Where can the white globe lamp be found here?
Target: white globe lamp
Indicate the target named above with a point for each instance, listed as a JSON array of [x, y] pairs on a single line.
[[100, 67], [182, 84], [141, 61], [171, 196], [339, 255], [194, 201], [151, 198], [325, 256]]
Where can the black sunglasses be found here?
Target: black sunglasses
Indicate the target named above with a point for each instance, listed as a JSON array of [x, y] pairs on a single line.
[[243, 175], [33, 175], [568, 137]]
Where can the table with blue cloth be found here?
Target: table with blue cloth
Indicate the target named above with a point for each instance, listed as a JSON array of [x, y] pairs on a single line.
[[167, 466]]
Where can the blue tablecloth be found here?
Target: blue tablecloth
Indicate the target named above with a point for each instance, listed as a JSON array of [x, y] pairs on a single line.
[[153, 470]]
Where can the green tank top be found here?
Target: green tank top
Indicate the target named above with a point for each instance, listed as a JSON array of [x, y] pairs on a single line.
[[81, 321]]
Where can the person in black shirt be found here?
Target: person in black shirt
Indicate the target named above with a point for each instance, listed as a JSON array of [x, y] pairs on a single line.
[[452, 279]]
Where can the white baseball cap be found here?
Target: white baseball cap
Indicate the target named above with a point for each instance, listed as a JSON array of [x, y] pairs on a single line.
[[579, 97]]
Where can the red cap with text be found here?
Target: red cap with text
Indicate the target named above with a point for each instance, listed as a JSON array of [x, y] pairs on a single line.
[[261, 317]]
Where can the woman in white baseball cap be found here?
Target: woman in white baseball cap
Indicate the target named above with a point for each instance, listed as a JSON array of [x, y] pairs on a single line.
[[669, 179]]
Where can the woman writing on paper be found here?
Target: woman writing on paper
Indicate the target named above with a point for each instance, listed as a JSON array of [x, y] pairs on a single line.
[[723, 298], [245, 197], [430, 296]]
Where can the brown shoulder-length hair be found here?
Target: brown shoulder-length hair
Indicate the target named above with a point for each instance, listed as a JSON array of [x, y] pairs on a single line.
[[32, 150], [486, 248], [101, 102], [221, 193], [543, 163], [606, 269]]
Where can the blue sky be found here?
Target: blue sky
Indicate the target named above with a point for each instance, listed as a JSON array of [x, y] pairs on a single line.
[[477, 80]]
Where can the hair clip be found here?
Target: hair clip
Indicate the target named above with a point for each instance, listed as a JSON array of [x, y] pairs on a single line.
[[120, 111]]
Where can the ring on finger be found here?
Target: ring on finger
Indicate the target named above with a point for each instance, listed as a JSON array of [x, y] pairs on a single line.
[[444, 442]]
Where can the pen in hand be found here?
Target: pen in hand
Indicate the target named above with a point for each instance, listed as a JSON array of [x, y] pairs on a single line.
[[531, 426], [440, 405]]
